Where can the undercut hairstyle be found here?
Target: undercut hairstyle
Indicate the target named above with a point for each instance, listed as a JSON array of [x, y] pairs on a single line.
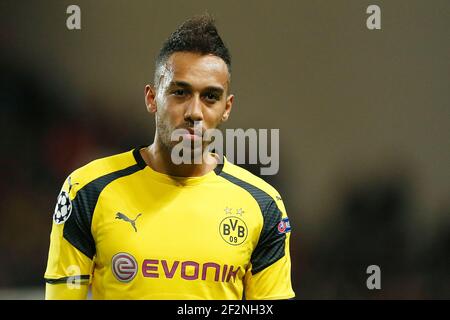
[[198, 35]]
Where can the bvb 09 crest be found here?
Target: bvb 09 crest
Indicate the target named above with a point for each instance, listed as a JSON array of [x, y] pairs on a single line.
[[233, 229]]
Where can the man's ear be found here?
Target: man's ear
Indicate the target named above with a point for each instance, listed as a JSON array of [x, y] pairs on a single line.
[[150, 98], [228, 106]]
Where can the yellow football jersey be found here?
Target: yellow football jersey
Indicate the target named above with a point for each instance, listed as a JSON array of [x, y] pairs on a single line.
[[130, 232]]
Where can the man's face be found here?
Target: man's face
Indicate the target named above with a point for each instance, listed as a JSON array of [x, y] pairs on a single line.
[[192, 88]]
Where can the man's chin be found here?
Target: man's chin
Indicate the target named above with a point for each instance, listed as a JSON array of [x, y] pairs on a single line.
[[190, 153]]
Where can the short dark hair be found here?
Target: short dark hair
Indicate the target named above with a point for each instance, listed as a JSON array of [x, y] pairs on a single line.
[[197, 34]]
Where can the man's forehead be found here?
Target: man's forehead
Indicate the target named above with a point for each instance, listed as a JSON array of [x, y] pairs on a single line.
[[196, 69]]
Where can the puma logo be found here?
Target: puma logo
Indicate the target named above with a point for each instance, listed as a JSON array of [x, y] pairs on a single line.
[[123, 217]]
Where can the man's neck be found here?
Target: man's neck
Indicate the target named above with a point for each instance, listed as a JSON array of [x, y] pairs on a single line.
[[159, 159]]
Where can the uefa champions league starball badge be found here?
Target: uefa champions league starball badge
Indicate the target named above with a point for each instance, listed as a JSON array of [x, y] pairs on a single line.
[[63, 208]]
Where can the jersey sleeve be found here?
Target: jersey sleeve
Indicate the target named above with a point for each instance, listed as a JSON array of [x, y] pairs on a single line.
[[70, 258], [269, 274]]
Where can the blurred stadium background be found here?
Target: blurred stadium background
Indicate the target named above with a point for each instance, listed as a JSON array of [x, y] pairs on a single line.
[[363, 116]]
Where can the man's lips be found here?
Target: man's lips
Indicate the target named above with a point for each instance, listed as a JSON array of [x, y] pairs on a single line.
[[191, 134], [194, 132]]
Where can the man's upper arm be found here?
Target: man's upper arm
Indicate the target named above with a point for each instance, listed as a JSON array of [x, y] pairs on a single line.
[[269, 276], [70, 261]]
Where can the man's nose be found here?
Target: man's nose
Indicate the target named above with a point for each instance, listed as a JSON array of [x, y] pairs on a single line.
[[194, 110]]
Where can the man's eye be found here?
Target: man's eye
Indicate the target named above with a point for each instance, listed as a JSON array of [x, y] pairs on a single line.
[[212, 96], [179, 92]]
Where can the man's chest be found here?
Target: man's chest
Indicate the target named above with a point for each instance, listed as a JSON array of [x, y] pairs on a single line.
[[176, 231]]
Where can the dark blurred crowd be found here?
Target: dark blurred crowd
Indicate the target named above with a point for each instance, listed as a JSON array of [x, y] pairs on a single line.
[[372, 227], [47, 132]]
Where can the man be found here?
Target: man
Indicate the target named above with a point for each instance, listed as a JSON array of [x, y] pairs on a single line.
[[138, 226]]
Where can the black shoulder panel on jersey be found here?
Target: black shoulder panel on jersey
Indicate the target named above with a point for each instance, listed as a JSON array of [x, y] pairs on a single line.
[[77, 229], [270, 247]]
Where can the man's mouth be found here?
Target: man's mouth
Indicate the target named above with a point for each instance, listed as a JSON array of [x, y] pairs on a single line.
[[193, 134]]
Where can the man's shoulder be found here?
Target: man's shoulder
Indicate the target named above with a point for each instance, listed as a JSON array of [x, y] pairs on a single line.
[[101, 167], [238, 174]]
